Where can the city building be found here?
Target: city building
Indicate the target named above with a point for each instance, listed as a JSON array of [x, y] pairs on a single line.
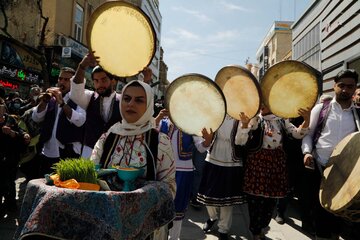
[[62, 40], [326, 37], [275, 46], [55, 27]]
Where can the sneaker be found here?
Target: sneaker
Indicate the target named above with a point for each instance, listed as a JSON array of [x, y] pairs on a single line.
[[208, 225], [223, 236], [280, 219]]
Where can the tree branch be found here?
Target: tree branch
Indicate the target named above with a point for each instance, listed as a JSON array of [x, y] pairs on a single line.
[[6, 23], [46, 20]]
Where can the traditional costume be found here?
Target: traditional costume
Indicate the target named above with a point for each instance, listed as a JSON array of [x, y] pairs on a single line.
[[131, 147], [183, 145], [220, 186], [266, 175]]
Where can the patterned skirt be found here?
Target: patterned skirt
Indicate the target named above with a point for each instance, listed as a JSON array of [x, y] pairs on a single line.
[[266, 173], [221, 186]]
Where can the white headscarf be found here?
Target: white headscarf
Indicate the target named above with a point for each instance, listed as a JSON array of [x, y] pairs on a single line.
[[146, 121]]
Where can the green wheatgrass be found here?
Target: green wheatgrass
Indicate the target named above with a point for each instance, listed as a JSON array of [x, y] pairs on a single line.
[[82, 170]]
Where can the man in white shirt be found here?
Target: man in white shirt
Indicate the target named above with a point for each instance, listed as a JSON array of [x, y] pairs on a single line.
[[339, 118], [101, 105], [62, 120]]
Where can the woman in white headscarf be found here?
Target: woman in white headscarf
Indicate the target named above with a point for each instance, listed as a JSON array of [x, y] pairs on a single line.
[[134, 142], [132, 148]]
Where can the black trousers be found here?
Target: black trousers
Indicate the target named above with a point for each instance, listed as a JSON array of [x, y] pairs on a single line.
[[47, 163], [260, 211]]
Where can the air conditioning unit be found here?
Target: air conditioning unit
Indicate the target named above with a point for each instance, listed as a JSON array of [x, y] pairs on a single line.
[[62, 41]]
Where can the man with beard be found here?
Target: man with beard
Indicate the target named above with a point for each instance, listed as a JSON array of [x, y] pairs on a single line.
[[62, 121], [102, 105], [330, 122]]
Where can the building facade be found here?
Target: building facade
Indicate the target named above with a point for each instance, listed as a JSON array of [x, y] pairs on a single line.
[[275, 46], [327, 37], [65, 33]]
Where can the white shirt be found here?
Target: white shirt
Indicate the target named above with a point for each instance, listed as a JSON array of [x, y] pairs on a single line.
[[82, 97], [271, 139], [221, 152], [51, 147], [185, 165], [339, 123]]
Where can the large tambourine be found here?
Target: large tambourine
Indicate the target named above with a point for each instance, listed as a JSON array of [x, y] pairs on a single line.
[[288, 86], [340, 188], [195, 102], [122, 35], [241, 90]]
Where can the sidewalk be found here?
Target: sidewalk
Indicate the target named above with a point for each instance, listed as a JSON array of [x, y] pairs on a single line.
[[291, 230], [192, 224]]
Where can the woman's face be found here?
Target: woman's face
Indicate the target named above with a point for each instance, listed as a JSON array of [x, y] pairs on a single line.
[[133, 104]]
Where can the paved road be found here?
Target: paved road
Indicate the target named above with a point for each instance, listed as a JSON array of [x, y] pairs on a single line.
[[192, 225], [195, 218]]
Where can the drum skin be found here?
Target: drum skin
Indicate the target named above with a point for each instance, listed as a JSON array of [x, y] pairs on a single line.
[[340, 186], [288, 86], [241, 90], [122, 35], [194, 102]]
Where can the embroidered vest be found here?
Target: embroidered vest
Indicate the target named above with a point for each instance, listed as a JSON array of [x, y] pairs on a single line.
[[152, 141], [95, 124], [185, 143], [66, 132]]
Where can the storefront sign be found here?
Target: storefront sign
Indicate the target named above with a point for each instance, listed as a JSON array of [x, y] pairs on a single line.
[[8, 84], [18, 74], [77, 48]]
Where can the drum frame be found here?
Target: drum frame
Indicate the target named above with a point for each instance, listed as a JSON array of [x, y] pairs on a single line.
[[166, 103], [252, 77], [108, 5], [316, 73]]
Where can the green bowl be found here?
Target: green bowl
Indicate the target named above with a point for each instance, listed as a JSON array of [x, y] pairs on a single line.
[[128, 175]]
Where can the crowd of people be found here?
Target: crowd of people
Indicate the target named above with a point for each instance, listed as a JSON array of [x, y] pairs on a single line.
[[256, 163]]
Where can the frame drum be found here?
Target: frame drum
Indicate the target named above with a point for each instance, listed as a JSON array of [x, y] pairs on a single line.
[[241, 90], [122, 35], [288, 86], [340, 188], [195, 102]]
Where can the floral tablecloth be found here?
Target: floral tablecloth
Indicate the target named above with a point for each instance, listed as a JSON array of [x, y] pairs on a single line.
[[79, 214]]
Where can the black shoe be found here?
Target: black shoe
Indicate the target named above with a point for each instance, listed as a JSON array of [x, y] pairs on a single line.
[[208, 225], [280, 219], [223, 236]]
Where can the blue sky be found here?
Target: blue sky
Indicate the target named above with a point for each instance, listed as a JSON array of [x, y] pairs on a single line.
[[202, 36]]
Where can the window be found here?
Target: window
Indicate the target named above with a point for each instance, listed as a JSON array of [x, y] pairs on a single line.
[[79, 21]]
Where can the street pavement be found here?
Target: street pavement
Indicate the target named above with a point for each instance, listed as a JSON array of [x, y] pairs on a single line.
[[291, 230], [193, 222]]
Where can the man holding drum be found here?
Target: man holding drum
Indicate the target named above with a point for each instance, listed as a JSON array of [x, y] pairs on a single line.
[[330, 122], [102, 105]]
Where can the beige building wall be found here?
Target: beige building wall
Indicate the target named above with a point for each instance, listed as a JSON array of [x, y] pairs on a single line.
[[63, 15], [23, 27], [26, 26]]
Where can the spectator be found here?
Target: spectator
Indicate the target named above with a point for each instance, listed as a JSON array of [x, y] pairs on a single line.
[[61, 118]]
